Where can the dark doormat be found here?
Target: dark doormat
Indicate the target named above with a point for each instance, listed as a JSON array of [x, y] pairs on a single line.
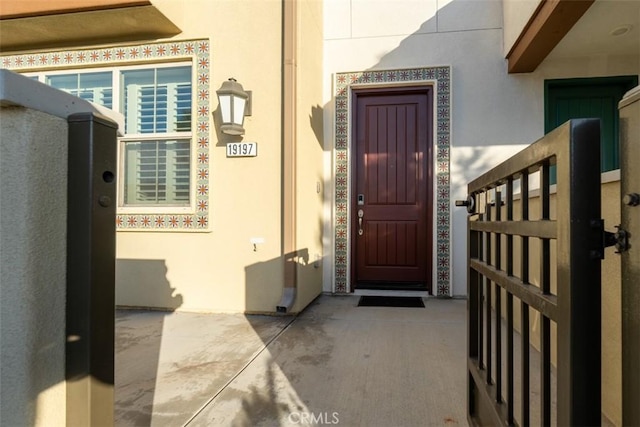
[[379, 301]]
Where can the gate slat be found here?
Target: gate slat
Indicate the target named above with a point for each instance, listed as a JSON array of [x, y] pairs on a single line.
[[544, 303], [546, 229]]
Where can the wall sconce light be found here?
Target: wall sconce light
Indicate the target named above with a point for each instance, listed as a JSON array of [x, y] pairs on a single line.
[[234, 105]]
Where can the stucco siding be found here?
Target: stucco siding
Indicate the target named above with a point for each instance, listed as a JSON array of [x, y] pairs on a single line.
[[310, 149], [611, 314], [224, 252], [33, 224], [221, 270]]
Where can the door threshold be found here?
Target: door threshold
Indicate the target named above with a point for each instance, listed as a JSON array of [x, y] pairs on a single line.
[[389, 293]]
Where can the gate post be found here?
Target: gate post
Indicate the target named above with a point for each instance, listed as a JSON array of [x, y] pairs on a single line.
[[91, 237], [579, 277]]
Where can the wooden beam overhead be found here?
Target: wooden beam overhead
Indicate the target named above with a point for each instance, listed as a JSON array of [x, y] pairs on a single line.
[[551, 21]]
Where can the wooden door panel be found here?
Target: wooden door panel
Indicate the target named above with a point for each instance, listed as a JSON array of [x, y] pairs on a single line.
[[391, 243], [393, 183], [391, 164]]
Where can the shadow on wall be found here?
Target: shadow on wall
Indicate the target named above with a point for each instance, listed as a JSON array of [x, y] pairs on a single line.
[[316, 122], [139, 336], [477, 159], [263, 279], [143, 283]]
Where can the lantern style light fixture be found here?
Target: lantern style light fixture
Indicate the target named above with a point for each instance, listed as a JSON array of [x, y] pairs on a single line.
[[234, 102]]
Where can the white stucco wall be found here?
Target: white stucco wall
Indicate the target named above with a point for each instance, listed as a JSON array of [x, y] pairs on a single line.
[[516, 15], [33, 223], [493, 114]]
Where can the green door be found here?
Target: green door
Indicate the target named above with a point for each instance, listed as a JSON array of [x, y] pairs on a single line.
[[586, 98]]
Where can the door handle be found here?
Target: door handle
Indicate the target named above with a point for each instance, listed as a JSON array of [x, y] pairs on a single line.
[[360, 216]]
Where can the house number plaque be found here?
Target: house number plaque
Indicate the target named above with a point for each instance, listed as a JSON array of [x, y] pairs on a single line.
[[242, 149]]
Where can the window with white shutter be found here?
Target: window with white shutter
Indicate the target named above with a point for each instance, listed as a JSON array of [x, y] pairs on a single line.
[[157, 172], [156, 103]]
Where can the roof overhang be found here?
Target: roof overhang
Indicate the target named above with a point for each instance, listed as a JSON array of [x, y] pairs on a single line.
[[551, 21], [28, 25]]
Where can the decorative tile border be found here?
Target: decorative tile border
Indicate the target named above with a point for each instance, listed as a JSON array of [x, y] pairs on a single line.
[[441, 78], [195, 50]]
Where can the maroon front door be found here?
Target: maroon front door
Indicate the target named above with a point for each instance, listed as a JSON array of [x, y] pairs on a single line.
[[392, 191]]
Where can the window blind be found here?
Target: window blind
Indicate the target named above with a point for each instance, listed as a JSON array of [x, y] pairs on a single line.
[[158, 172], [157, 102]]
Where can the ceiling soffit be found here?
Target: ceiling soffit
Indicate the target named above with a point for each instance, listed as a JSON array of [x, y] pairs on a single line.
[[74, 23]]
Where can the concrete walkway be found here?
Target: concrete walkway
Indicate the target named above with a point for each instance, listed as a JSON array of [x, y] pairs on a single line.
[[334, 364]]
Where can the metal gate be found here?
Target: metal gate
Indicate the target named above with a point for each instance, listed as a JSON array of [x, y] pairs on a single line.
[[501, 278]]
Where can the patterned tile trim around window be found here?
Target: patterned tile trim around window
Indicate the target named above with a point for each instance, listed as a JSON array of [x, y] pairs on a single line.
[[195, 50], [441, 78]]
